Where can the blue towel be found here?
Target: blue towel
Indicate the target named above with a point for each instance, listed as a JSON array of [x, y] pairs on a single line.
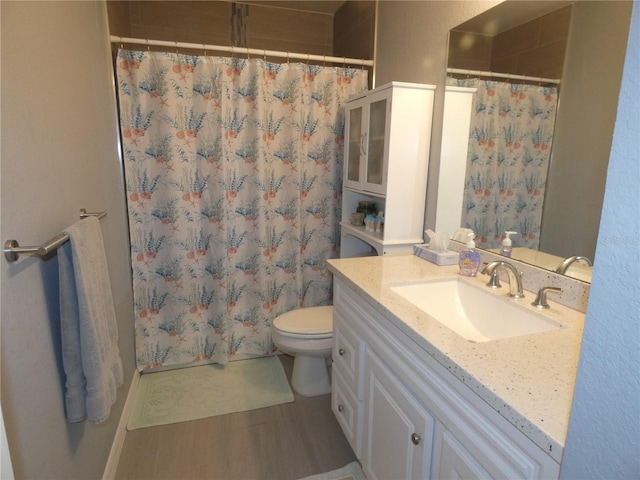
[[90, 353]]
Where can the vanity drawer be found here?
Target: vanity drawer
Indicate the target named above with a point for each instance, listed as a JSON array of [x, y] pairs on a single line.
[[348, 410], [348, 352]]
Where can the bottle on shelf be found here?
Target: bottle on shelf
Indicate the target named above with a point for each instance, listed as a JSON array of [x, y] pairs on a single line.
[[379, 222]]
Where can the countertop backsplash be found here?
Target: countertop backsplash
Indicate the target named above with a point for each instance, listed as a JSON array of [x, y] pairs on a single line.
[[575, 293]]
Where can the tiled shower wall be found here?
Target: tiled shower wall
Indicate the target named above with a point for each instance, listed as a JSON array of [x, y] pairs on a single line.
[[269, 28], [535, 48], [348, 33]]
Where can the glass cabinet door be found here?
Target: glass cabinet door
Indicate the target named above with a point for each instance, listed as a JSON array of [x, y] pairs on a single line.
[[355, 145], [375, 142]]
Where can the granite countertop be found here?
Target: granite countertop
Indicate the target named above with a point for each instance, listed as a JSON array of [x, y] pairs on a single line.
[[529, 379]]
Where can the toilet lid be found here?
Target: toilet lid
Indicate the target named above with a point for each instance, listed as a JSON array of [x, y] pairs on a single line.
[[306, 321]]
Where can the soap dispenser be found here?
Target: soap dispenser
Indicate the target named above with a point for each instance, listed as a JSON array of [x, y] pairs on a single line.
[[469, 259], [506, 248]]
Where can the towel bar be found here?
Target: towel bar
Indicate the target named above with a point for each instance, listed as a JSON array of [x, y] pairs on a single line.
[[12, 250]]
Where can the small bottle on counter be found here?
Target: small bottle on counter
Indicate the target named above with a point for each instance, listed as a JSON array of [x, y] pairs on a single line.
[[469, 258], [506, 247]]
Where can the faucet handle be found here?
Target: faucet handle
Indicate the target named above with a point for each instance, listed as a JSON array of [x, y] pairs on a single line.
[[541, 298]]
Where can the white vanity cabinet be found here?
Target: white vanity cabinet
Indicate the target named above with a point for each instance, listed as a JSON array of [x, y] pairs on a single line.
[[397, 430], [409, 417], [386, 157]]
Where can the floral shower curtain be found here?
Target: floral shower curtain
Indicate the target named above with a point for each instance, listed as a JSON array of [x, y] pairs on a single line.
[[233, 179], [509, 152]]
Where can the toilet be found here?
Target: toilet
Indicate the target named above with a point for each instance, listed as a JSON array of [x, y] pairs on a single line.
[[307, 335]]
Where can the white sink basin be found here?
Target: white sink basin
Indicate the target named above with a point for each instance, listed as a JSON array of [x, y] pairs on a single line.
[[472, 312]]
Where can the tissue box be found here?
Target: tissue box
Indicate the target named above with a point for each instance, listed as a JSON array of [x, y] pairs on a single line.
[[439, 258]]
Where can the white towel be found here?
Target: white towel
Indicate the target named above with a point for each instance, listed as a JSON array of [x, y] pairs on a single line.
[[90, 353]]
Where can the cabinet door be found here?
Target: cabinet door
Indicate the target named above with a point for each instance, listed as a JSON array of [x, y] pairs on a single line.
[[471, 445], [398, 430], [366, 147], [452, 460], [354, 149], [375, 171]]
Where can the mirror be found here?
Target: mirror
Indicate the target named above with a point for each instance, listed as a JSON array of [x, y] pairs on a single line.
[[581, 144]]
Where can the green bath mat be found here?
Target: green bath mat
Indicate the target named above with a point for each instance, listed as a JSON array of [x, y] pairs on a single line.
[[198, 392]]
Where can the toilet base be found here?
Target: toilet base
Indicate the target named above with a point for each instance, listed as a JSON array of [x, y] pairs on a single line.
[[310, 376]]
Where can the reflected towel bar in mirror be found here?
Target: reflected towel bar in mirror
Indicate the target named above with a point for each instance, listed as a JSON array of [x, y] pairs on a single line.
[[12, 250]]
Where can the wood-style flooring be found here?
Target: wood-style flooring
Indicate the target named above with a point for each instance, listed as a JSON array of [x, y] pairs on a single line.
[[285, 442]]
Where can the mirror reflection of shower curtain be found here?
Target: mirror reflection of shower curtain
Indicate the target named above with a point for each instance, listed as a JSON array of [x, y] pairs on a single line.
[[233, 173], [509, 152]]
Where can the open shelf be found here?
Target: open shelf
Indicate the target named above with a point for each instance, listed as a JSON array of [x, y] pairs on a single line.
[[373, 240]]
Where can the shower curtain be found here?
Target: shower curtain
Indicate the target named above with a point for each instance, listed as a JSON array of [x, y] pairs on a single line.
[[233, 174], [509, 152]]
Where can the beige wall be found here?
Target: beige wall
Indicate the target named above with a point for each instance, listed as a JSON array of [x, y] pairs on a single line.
[[584, 127], [412, 47], [59, 154]]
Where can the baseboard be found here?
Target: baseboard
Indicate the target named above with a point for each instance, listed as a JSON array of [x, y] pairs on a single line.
[[118, 440]]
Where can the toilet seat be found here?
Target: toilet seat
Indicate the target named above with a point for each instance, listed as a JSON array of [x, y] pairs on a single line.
[[311, 323]]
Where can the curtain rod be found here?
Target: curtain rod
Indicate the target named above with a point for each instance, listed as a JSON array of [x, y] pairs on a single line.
[[242, 50], [480, 73]]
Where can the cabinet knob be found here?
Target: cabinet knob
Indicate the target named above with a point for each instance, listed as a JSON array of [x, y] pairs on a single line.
[[341, 352], [341, 408], [415, 438]]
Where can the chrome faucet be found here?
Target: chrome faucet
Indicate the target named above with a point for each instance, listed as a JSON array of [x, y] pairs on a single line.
[[566, 263], [515, 277]]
